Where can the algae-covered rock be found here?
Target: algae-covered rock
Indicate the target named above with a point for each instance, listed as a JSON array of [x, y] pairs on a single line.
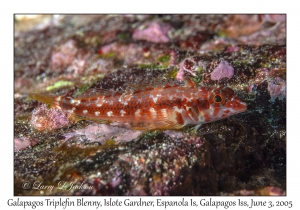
[[78, 55]]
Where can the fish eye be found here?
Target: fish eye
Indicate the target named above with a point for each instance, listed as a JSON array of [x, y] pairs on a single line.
[[217, 98]]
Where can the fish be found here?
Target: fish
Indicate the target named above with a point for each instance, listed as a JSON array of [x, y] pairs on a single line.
[[164, 107]]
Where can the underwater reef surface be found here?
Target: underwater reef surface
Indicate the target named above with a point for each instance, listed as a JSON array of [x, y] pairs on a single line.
[[77, 55]]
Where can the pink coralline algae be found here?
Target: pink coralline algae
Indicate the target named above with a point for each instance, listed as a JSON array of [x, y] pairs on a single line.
[[48, 119], [153, 32], [261, 76], [23, 142], [223, 70], [65, 55], [134, 53], [173, 57], [69, 57], [190, 65], [277, 88], [174, 134], [276, 85], [232, 49], [131, 53], [101, 133], [100, 65]]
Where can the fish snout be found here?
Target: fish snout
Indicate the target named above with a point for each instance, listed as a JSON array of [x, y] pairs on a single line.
[[239, 105]]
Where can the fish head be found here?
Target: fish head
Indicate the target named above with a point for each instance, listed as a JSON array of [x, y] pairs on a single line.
[[224, 103]]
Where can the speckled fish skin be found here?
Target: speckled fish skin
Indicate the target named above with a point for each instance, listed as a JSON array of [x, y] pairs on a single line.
[[165, 107]]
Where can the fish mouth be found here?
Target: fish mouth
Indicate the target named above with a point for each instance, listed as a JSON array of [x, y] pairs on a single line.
[[243, 106], [239, 107]]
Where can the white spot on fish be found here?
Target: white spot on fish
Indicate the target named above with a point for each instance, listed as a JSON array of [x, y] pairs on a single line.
[[110, 113], [178, 110], [122, 112], [97, 113], [137, 113], [164, 113], [58, 98], [100, 101], [76, 102], [73, 109], [124, 98], [85, 111], [155, 99], [153, 112]]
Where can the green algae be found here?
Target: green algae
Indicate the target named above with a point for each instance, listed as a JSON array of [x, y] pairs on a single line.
[[23, 118], [81, 89], [122, 37], [88, 82], [109, 142], [107, 55], [172, 73], [198, 78], [153, 66], [164, 58], [149, 135], [59, 84]]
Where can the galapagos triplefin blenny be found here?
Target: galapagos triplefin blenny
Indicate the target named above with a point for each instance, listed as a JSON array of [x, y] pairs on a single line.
[[168, 106]]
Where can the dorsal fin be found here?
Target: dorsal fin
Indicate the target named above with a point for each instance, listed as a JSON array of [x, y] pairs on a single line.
[[145, 84], [189, 82], [96, 92], [132, 87]]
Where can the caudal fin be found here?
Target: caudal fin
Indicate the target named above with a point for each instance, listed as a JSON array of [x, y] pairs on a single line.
[[44, 98]]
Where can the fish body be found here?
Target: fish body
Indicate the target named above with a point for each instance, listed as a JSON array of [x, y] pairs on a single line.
[[162, 107]]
